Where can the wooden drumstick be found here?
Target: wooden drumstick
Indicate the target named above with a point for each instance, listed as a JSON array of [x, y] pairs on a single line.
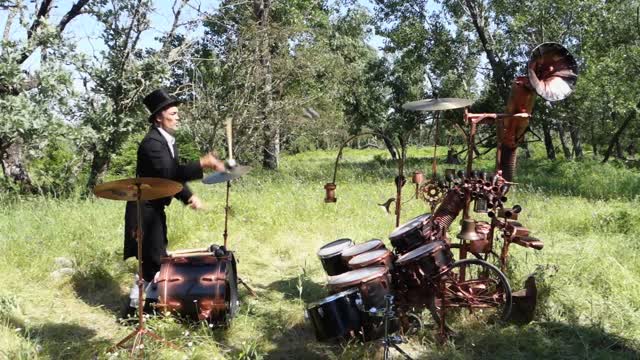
[[229, 141]]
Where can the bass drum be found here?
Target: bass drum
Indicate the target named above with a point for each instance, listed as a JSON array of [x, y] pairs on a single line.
[[199, 286]]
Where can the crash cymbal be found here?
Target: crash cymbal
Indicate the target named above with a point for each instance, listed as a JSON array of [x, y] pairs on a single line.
[[437, 104], [228, 175], [127, 189]]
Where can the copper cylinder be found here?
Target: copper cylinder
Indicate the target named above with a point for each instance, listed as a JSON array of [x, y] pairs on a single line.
[[330, 196], [448, 210], [418, 177]]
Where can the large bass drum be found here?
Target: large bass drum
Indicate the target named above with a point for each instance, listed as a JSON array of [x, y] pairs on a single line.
[[199, 286]]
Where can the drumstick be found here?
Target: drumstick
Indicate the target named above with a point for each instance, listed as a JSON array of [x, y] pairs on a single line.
[[185, 251], [229, 140]]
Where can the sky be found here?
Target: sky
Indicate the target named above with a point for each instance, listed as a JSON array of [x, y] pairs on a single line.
[[85, 31]]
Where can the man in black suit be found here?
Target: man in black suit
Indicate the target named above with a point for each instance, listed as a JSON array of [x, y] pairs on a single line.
[[158, 157]]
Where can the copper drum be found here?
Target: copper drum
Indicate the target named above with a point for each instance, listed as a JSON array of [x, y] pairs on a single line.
[[373, 283], [381, 257], [331, 256], [409, 236], [483, 245], [355, 250], [199, 287], [427, 261]]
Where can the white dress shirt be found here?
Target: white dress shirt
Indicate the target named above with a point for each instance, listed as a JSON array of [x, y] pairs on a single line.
[[170, 140]]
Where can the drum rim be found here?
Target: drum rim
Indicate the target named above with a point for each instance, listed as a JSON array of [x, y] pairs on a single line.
[[395, 234], [324, 256], [383, 253], [415, 254], [380, 271], [332, 297], [366, 245]]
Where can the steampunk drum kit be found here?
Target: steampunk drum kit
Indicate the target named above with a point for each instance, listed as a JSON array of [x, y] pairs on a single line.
[[195, 284], [421, 272]]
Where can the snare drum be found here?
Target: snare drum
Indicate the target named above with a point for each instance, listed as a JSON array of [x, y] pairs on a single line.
[[381, 257], [355, 250], [331, 256], [373, 282], [336, 316], [409, 236], [199, 286]]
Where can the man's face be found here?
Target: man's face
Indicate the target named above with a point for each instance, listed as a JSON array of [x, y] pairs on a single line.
[[167, 119]]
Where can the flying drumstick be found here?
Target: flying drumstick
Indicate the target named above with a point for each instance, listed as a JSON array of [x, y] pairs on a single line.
[[230, 161]]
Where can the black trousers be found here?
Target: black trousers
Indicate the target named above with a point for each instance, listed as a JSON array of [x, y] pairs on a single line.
[[154, 237]]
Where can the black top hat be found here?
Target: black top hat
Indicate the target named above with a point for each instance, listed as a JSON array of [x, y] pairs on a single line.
[[157, 101]]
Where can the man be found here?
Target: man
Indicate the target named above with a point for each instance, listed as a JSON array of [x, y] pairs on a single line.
[[158, 157]]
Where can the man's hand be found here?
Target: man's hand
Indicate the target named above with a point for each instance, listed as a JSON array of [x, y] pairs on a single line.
[[195, 203], [209, 161]]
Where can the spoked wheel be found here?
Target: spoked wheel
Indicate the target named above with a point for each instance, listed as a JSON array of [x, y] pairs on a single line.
[[474, 291]]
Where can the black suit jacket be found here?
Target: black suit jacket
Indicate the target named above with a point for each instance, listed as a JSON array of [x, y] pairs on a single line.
[[154, 160]]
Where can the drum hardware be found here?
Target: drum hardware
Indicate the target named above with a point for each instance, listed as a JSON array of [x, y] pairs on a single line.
[[387, 205], [391, 340], [139, 189], [233, 171]]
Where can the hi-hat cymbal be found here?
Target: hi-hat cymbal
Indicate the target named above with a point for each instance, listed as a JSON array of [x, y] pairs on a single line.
[[437, 104], [224, 176], [127, 189]]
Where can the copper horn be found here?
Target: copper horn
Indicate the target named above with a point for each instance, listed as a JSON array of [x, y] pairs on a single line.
[[552, 73]]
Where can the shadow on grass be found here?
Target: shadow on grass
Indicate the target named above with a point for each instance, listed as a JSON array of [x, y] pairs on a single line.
[[98, 288], [299, 342], [299, 288], [546, 340], [61, 340]]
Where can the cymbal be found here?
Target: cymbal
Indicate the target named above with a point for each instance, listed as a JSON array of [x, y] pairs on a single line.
[[437, 104], [224, 176], [127, 189]]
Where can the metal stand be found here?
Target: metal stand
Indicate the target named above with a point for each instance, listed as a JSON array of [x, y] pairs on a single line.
[[391, 340], [138, 334]]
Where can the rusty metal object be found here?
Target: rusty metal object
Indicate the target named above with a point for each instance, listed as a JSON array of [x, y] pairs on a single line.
[[330, 193], [524, 302], [448, 210]]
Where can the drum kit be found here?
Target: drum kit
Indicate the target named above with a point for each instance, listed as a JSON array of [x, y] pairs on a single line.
[[421, 271], [195, 284]]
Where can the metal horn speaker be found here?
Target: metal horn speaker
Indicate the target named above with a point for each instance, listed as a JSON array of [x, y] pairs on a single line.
[[552, 71]]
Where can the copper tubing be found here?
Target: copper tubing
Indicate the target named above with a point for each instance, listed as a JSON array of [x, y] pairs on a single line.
[[448, 210]]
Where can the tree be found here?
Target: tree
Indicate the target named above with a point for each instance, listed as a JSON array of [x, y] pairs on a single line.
[[26, 97]]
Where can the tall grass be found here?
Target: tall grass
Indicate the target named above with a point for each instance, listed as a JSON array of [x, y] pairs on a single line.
[[588, 271]]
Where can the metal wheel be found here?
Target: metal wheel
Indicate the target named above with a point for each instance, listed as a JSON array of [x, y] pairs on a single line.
[[474, 291]]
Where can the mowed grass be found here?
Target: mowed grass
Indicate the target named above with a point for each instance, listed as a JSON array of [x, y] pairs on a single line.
[[589, 304]]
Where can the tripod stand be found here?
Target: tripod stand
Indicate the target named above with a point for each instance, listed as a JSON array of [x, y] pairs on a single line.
[[138, 189], [391, 340]]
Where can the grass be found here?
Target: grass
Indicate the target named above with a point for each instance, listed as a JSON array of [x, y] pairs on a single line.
[[589, 306]]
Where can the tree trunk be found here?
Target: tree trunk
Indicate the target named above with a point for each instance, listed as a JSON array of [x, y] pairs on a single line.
[[574, 132], [271, 147], [99, 166], [614, 140], [13, 165], [390, 148], [527, 150], [563, 141], [619, 152], [548, 141]]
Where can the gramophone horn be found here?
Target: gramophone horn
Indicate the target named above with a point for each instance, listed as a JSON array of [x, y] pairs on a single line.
[[552, 71]]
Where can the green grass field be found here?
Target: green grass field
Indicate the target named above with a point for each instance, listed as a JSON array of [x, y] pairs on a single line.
[[589, 270]]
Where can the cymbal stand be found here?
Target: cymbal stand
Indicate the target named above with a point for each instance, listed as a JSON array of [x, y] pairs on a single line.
[[225, 235], [140, 330], [391, 340]]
